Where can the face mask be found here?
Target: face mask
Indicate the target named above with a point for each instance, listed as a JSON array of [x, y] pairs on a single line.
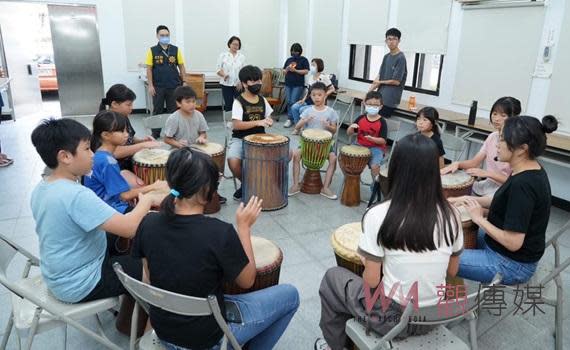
[[295, 54], [164, 40], [254, 89], [372, 110], [313, 70]]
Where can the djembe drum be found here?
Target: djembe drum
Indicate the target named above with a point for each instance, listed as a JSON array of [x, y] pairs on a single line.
[[218, 154], [150, 164], [345, 244], [457, 184], [315, 149], [268, 258], [352, 160], [470, 229], [265, 169]]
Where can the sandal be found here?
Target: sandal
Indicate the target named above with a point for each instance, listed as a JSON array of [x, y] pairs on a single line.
[[5, 162]]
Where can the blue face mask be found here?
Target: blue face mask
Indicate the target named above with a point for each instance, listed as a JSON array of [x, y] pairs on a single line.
[[164, 40], [372, 110]]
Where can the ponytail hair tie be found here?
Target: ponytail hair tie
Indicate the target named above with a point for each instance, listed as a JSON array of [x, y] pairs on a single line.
[[175, 193]]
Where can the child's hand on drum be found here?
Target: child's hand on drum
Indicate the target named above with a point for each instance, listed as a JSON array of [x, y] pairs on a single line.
[[201, 140], [152, 144], [160, 185], [476, 172], [248, 214], [451, 168], [184, 143], [475, 210], [149, 138]]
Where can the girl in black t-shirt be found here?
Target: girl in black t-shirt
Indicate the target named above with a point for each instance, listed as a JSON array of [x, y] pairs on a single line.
[[426, 122], [188, 253], [511, 240]]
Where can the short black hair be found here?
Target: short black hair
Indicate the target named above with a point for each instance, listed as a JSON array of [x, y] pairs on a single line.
[[54, 135], [234, 38], [296, 47], [320, 64], [530, 131], [117, 93], [250, 73], [184, 92], [319, 85], [161, 27], [394, 32], [373, 95]]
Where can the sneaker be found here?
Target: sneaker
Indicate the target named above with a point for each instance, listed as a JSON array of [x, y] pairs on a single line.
[[295, 132], [223, 200], [294, 190], [237, 194], [326, 192], [288, 124], [321, 344]]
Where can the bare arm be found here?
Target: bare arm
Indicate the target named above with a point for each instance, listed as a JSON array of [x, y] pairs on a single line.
[[125, 225], [246, 278], [149, 76], [389, 82], [129, 150], [182, 72], [453, 266], [441, 162], [241, 125], [371, 274], [173, 142], [134, 192]]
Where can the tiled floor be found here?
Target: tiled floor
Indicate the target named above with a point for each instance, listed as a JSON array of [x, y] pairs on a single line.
[[302, 230]]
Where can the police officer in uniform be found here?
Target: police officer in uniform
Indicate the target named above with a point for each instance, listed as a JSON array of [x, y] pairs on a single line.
[[165, 72]]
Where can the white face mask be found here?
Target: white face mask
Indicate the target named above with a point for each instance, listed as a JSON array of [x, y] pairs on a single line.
[[313, 70]]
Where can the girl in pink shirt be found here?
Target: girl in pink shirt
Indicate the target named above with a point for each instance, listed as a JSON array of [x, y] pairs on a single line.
[[495, 172]]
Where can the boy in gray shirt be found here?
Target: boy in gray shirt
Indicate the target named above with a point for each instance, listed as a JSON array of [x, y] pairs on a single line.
[[186, 126], [392, 75]]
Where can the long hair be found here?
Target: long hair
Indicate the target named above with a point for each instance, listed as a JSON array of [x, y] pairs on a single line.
[[432, 115], [417, 203], [106, 121], [189, 173], [117, 93]]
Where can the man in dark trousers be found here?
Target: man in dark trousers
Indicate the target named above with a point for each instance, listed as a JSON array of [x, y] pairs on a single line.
[[165, 72]]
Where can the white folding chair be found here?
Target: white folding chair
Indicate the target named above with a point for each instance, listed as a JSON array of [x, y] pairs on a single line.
[[547, 277], [35, 310], [438, 338], [344, 106], [179, 304], [454, 146], [155, 122]]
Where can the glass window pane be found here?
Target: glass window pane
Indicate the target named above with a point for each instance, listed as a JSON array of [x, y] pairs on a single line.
[[431, 72], [410, 59], [359, 61], [376, 55]]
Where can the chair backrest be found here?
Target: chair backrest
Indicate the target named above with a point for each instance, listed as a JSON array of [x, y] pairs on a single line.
[[173, 302], [454, 146], [197, 81], [393, 129], [278, 76], [267, 83], [8, 250], [155, 121]]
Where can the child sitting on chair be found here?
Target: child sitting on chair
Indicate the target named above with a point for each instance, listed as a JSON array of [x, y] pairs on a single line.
[[318, 116], [188, 253], [71, 220], [187, 125], [250, 115], [372, 131]]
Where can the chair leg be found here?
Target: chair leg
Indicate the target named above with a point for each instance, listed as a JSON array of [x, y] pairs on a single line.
[[472, 330], [33, 328], [134, 327], [7, 331], [559, 315], [64, 335]]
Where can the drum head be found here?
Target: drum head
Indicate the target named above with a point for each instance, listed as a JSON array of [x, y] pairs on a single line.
[[355, 151], [266, 139], [210, 148], [457, 179], [155, 156], [316, 135], [464, 213], [345, 241], [265, 252]]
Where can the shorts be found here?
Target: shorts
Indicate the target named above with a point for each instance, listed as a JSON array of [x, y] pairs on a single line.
[[377, 157], [235, 148], [109, 284]]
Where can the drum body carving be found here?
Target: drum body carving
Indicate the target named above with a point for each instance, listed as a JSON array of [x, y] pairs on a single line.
[[470, 229], [352, 160], [315, 149], [150, 164], [265, 169], [268, 258]]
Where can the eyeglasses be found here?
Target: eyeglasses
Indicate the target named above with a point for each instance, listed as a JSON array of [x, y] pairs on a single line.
[[392, 38]]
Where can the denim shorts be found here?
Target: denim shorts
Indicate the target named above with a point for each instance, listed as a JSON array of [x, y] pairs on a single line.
[[235, 148]]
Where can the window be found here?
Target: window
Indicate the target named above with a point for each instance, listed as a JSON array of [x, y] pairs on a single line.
[[424, 70]]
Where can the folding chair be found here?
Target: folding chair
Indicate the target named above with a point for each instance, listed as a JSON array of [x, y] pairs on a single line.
[[454, 146], [552, 294], [35, 310], [179, 304], [438, 338], [344, 106], [155, 121]]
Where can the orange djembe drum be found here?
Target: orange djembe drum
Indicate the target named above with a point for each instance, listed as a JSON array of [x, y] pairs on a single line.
[[218, 154], [352, 160], [315, 149]]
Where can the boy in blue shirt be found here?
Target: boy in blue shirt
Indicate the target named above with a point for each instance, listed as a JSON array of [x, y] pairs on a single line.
[[71, 220]]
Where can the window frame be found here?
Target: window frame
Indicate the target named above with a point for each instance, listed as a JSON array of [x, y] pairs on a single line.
[[419, 64]]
